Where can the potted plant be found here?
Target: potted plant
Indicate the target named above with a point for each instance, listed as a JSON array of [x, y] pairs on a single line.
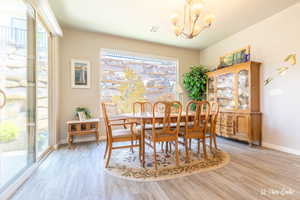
[[195, 82], [86, 112]]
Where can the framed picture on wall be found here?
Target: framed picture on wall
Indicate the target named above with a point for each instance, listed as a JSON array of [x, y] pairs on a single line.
[[80, 74]]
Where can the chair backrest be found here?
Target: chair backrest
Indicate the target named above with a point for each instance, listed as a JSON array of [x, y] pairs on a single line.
[[214, 110], [108, 129], [214, 113], [112, 108], [141, 106], [199, 117], [164, 118]]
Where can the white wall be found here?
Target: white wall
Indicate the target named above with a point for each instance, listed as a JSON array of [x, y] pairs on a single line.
[[271, 41], [86, 46]]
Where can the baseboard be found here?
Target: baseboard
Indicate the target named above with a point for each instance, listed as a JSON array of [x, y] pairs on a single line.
[[82, 139], [55, 147], [281, 148], [12, 188]]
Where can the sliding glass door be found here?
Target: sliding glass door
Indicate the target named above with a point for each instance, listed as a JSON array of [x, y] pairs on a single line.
[[24, 121], [13, 90], [42, 100]]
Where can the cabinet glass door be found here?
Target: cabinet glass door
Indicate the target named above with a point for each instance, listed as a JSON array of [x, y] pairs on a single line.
[[243, 89], [224, 91]]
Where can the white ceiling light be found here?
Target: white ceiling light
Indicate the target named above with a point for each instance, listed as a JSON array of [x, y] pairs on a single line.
[[191, 27]]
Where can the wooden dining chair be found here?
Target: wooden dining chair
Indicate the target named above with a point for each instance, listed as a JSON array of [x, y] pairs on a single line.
[[196, 123], [163, 118], [214, 113], [119, 135]]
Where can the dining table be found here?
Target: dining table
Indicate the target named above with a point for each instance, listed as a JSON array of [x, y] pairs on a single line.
[[147, 117]]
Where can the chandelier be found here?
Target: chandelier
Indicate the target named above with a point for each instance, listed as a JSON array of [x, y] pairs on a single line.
[[191, 26]]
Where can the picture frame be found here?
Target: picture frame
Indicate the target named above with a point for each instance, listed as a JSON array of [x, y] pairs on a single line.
[[80, 74]]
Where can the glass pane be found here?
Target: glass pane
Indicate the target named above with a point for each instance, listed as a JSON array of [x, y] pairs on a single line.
[[224, 87], [127, 78], [211, 89], [243, 89], [13, 84], [42, 135]]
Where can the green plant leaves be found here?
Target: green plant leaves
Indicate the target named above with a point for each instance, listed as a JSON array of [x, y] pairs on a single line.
[[8, 131], [85, 110], [195, 81]]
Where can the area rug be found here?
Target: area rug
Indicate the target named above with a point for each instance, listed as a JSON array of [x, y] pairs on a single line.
[[125, 164]]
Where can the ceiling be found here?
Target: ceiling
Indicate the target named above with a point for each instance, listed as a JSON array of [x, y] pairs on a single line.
[[134, 18]]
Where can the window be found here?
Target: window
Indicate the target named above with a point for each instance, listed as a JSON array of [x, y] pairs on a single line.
[[126, 78]]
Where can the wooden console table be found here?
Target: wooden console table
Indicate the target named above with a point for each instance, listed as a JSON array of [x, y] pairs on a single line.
[[79, 128]]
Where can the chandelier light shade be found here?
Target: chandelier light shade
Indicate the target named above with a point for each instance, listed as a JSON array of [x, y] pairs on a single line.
[[193, 15]]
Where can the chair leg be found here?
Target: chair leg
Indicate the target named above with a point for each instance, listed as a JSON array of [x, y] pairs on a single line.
[[106, 147], [190, 144], [210, 143], [140, 148], [177, 152], [198, 146], [204, 148], [131, 148], [162, 146], [170, 144], [154, 155], [215, 140], [109, 154], [186, 149], [167, 148]]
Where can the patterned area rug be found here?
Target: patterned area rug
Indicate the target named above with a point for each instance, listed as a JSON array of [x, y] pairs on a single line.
[[125, 164]]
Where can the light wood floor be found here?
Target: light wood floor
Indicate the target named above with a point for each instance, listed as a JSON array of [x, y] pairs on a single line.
[[78, 175]]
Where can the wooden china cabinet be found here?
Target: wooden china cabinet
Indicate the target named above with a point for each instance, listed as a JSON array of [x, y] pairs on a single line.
[[236, 89]]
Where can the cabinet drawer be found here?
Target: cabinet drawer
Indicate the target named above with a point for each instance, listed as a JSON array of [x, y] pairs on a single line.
[[228, 131], [226, 120]]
